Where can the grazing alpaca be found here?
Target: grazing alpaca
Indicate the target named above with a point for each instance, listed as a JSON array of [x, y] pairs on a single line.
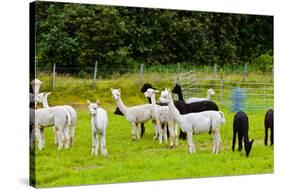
[[99, 124], [135, 114], [43, 98], [163, 116], [192, 107], [209, 93], [196, 122], [241, 126], [268, 124], [46, 117]]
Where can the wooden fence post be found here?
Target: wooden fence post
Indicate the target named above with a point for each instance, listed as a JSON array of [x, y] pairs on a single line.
[[95, 74], [140, 78], [54, 76]]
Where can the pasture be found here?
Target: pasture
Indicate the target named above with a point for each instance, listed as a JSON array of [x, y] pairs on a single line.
[[143, 160]]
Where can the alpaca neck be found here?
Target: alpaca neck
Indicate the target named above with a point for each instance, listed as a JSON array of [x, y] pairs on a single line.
[[174, 110], [208, 96], [152, 98], [45, 102], [121, 106], [180, 96]]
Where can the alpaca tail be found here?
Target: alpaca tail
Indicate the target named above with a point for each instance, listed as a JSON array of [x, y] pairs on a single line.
[[68, 119]]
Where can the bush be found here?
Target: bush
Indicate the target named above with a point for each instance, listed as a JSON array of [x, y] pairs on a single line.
[[264, 62]]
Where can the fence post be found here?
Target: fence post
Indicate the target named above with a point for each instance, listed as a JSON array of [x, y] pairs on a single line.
[[245, 71], [95, 74], [215, 70], [140, 78], [54, 76]]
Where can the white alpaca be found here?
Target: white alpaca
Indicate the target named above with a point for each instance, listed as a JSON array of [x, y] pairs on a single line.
[[46, 117], [99, 124], [196, 122], [36, 83], [135, 114], [163, 116], [210, 92], [43, 98]]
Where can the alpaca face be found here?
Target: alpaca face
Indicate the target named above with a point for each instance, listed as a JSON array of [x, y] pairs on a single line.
[[248, 147], [93, 108], [165, 96], [149, 92], [116, 93]]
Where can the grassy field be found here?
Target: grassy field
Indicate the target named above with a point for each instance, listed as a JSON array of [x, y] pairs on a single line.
[[138, 160]]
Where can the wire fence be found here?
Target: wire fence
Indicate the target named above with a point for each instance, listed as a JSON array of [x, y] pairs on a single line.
[[256, 95]]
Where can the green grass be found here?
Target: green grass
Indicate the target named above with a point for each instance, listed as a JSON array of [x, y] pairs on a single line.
[[138, 160]]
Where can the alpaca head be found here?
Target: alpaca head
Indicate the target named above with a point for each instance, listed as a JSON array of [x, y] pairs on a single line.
[[31, 98], [177, 89], [165, 96], [41, 96], [93, 107], [116, 93], [210, 92], [146, 86], [36, 83], [248, 146], [149, 92]]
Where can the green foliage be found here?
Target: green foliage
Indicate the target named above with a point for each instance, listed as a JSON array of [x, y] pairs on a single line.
[[264, 62], [77, 35]]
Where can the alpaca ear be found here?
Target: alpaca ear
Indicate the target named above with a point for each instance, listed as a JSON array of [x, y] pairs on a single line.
[[88, 101], [156, 91], [48, 93], [119, 90], [252, 141], [98, 102], [169, 90], [111, 89]]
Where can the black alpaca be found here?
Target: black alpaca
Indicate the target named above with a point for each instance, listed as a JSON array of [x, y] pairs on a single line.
[[192, 107], [241, 126], [268, 124]]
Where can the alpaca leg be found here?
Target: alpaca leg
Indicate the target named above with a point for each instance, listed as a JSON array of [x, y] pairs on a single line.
[[43, 137], [271, 136], [234, 140], [142, 129], [138, 131], [160, 132], [39, 138], [55, 135], [240, 140], [176, 133], [265, 135], [60, 138], [165, 132], [103, 144], [190, 142], [97, 144], [72, 133], [172, 134], [134, 131], [94, 142], [155, 130], [66, 133]]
